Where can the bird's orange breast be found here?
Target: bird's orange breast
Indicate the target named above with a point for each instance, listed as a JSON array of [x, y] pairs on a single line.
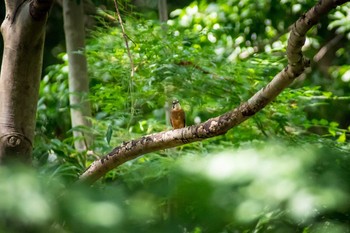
[[177, 118]]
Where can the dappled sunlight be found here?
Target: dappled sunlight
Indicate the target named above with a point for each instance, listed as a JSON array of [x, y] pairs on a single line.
[[249, 210], [102, 213], [235, 166], [142, 207], [266, 179], [225, 166], [302, 205], [21, 196]]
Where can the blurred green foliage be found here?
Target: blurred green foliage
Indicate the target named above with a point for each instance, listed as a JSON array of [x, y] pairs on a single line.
[[269, 174], [272, 188]]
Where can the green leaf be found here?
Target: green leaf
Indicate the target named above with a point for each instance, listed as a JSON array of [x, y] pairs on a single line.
[[332, 131], [342, 138], [323, 122], [109, 133]]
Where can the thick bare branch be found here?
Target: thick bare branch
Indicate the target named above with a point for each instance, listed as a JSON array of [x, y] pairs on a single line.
[[297, 35], [221, 124]]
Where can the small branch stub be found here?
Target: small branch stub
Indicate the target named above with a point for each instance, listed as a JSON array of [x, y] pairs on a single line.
[[16, 147], [14, 141], [39, 9]]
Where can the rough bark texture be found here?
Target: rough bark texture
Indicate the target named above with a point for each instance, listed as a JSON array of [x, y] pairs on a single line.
[[73, 12], [23, 31], [221, 124]]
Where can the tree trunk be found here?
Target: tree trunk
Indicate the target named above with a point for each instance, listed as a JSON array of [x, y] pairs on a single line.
[[23, 32], [73, 13], [162, 10]]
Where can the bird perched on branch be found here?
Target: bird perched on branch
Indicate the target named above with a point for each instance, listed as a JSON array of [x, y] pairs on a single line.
[[177, 115]]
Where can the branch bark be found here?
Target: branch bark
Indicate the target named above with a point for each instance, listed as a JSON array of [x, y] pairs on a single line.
[[23, 31], [221, 124]]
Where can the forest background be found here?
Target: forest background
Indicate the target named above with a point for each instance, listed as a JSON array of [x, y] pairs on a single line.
[[285, 169]]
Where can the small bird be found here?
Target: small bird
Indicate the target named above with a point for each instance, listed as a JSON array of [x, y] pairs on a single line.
[[177, 115]]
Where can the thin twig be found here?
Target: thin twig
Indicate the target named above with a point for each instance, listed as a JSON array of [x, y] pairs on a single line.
[[125, 38]]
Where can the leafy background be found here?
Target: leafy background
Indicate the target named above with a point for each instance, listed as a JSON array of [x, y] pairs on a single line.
[[283, 170]]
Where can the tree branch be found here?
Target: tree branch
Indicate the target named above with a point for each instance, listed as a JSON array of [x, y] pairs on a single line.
[[221, 124], [126, 39]]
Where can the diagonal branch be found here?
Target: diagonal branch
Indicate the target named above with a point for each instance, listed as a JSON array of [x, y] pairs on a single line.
[[221, 124]]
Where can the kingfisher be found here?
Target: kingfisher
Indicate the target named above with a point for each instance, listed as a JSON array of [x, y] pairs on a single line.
[[177, 115]]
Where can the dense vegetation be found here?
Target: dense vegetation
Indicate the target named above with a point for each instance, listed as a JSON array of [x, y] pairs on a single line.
[[273, 173]]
